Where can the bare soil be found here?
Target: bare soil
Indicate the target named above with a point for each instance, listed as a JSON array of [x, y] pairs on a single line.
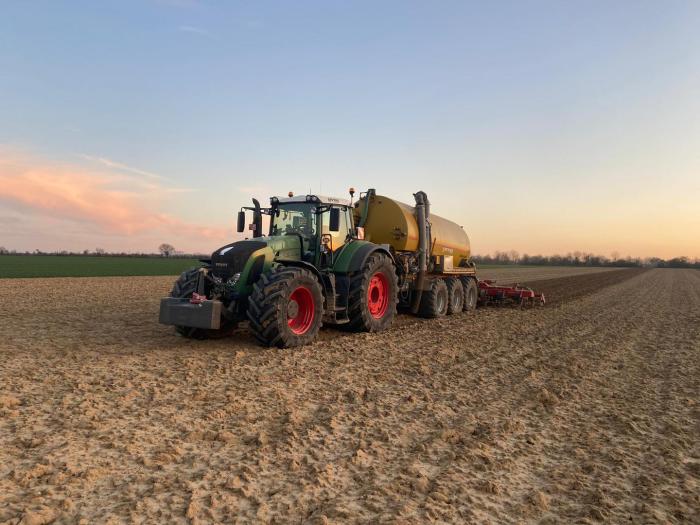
[[583, 411], [516, 273], [564, 289]]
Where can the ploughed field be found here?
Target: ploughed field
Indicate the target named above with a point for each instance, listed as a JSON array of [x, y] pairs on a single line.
[[516, 273], [585, 410]]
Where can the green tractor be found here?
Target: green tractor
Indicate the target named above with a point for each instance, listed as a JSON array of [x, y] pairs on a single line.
[[312, 268]]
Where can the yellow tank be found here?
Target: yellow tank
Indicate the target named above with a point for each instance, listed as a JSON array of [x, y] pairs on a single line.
[[392, 222]]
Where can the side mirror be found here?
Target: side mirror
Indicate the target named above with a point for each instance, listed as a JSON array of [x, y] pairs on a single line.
[[334, 225], [241, 222]]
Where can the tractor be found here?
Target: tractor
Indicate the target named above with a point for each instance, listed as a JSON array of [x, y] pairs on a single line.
[[326, 260]]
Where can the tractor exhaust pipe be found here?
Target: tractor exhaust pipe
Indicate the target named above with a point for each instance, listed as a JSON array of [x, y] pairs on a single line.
[[257, 219], [422, 215]]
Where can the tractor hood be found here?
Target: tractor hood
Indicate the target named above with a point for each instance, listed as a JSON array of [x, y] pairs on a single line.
[[233, 258]]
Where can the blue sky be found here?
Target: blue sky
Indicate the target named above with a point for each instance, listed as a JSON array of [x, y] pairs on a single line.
[[539, 126]]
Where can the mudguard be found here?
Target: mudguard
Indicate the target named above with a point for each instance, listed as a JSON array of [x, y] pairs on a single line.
[[300, 264], [353, 255]]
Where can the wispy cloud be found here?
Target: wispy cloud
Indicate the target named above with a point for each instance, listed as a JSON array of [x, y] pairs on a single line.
[[98, 200], [109, 163], [194, 29], [178, 3]]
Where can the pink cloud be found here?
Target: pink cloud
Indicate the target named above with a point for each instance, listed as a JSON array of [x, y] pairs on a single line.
[[112, 203]]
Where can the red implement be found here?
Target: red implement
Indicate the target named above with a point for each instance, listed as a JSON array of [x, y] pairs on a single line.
[[197, 298], [491, 293]]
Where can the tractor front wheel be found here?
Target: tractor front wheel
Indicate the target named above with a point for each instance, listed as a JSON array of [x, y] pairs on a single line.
[[286, 307], [373, 295]]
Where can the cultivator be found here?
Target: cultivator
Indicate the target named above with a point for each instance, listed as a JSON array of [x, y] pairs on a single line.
[[491, 293]]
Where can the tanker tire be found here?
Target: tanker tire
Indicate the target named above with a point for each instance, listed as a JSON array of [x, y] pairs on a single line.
[[183, 288], [455, 296], [471, 293], [270, 305], [434, 301], [361, 318]]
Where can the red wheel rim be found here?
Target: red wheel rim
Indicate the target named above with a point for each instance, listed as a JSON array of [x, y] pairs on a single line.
[[300, 310], [378, 295]]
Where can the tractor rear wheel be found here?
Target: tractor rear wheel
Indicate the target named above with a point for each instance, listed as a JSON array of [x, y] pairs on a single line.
[[471, 293], [286, 307], [434, 302], [455, 295], [183, 288], [373, 294]]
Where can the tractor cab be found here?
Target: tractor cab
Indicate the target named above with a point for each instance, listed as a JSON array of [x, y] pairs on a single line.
[[321, 224]]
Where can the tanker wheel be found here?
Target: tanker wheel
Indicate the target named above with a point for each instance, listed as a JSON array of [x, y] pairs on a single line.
[[373, 294], [471, 293], [286, 307], [435, 300], [455, 295], [183, 288]]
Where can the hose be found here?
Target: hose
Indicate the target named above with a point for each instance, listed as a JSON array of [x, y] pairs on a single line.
[[422, 214]]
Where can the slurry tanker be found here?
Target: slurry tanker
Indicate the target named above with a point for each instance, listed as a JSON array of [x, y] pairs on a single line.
[[325, 260]]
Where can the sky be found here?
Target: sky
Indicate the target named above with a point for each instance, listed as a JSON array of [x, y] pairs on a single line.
[[541, 127]]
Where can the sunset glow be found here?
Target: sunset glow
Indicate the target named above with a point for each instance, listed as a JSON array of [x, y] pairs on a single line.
[[542, 128]]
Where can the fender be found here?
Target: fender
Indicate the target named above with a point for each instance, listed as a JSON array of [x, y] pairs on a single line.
[[307, 266], [301, 264], [353, 255]]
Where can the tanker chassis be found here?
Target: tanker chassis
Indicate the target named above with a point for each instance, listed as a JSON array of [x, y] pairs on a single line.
[[327, 261]]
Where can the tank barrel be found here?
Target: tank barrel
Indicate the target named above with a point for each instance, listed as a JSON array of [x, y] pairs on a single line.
[[388, 221]]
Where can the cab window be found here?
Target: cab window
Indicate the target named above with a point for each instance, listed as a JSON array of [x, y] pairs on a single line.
[[338, 238]]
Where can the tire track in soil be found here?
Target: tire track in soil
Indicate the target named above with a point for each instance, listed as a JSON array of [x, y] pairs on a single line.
[[495, 372], [562, 390], [566, 289], [598, 500], [515, 402]]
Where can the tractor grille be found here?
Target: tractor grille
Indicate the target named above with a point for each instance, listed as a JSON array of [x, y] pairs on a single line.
[[231, 259]]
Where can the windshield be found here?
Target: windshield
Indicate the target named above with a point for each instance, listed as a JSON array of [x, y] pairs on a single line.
[[295, 218]]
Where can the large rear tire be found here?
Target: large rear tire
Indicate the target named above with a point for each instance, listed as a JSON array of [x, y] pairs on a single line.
[[183, 288], [434, 301], [286, 307], [455, 295], [471, 293], [373, 295]]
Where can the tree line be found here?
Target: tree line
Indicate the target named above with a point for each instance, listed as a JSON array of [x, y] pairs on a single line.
[[585, 259], [163, 251], [499, 257]]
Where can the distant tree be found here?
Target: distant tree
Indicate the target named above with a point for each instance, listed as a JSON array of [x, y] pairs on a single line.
[[100, 251], [679, 262], [166, 250], [3, 250]]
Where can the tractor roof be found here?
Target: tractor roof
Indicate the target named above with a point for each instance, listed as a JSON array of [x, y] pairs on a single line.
[[322, 199]]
